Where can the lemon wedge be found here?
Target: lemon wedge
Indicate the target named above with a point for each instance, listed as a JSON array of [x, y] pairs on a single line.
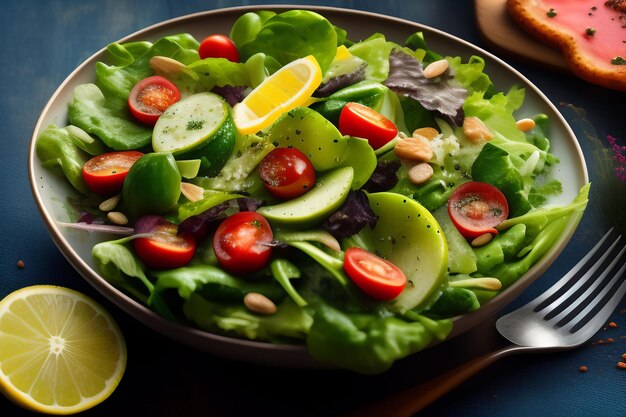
[[342, 53], [62, 353], [290, 87]]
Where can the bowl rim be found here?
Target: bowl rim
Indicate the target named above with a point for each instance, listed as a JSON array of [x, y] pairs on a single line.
[[291, 355]]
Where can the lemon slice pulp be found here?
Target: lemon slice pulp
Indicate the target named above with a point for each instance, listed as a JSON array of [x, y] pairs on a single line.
[[288, 88], [61, 352]]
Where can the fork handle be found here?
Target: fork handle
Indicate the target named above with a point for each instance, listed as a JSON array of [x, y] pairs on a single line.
[[411, 400]]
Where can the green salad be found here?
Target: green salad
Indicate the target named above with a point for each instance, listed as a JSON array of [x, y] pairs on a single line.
[[291, 185]]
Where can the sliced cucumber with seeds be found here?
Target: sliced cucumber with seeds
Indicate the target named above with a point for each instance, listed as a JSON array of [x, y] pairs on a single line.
[[197, 127]]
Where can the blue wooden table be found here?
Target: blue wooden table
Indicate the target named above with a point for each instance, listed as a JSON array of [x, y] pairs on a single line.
[[41, 42]]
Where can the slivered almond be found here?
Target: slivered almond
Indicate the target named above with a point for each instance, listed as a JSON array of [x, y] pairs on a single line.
[[435, 69], [191, 191], [414, 149], [429, 133], [475, 130]]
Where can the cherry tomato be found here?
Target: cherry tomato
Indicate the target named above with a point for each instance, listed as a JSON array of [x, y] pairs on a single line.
[[475, 208], [361, 121], [218, 46], [287, 172], [150, 97], [241, 242], [104, 174], [165, 249], [375, 276]]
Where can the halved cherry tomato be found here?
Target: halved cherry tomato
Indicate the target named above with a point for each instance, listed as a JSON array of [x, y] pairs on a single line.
[[104, 174], [361, 121], [475, 208], [150, 97], [241, 242], [218, 46], [287, 172], [165, 249], [375, 276]]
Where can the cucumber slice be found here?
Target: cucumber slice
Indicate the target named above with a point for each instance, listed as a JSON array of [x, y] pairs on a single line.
[[197, 127], [214, 153], [189, 123]]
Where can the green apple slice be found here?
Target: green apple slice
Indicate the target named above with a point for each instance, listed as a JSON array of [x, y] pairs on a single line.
[[330, 191], [408, 235]]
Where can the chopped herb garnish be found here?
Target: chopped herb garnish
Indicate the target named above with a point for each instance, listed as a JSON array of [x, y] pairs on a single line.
[[618, 60], [551, 13], [590, 31], [195, 124]]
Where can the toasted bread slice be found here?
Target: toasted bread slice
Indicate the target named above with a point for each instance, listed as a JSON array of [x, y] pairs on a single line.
[[591, 34]]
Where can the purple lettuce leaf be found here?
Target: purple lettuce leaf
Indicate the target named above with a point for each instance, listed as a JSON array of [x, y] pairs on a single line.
[[352, 216], [232, 95], [147, 224], [384, 176], [341, 81], [441, 95], [199, 224]]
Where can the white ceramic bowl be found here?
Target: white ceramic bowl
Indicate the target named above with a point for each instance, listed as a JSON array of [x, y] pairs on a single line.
[[51, 192]]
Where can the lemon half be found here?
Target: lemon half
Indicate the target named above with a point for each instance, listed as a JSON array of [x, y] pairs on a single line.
[[290, 87], [60, 351]]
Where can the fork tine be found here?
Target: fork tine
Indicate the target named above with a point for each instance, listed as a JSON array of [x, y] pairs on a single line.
[[577, 306], [588, 325], [602, 289], [576, 275], [588, 286]]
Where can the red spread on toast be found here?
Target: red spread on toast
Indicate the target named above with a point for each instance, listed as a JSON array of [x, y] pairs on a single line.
[[590, 33]]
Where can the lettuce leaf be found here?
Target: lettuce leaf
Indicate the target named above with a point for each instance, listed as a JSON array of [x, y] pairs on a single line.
[[375, 51], [353, 215], [543, 227], [119, 266], [211, 74], [90, 112], [365, 343], [494, 166], [289, 323], [212, 282], [338, 82], [470, 74], [67, 149], [287, 36], [497, 112], [248, 25], [442, 95], [132, 64]]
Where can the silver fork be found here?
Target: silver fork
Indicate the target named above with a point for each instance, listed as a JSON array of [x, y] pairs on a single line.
[[565, 316]]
